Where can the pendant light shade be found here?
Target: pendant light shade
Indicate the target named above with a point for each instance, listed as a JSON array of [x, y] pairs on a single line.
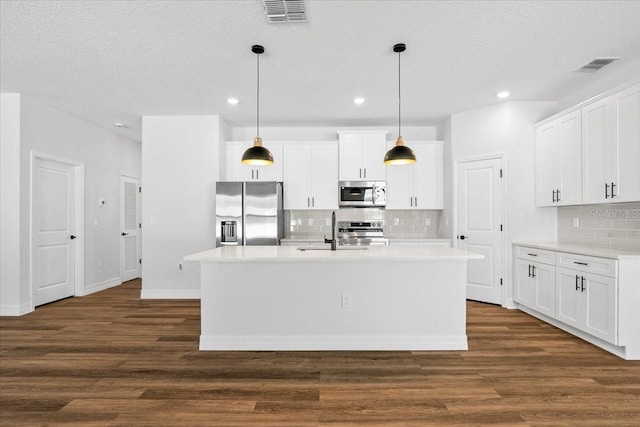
[[257, 154], [400, 154]]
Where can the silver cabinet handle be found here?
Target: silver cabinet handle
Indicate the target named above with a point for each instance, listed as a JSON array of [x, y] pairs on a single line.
[[416, 201], [613, 193], [577, 285], [313, 202], [257, 174], [365, 172], [606, 190]]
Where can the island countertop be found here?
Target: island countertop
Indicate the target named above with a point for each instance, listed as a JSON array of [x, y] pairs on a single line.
[[227, 254]]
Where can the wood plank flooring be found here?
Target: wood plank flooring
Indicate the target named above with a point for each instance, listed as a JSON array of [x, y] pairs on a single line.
[[113, 359]]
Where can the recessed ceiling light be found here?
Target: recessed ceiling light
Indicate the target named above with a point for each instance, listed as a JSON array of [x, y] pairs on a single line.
[[358, 100], [119, 125], [232, 101], [503, 94]]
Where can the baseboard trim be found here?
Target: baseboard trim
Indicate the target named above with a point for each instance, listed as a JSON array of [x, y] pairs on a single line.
[[15, 310], [332, 343], [170, 293], [97, 287]]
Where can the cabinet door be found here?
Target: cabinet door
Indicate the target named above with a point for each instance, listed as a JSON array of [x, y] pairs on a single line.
[[568, 298], [428, 175], [600, 305], [547, 163], [570, 153], [626, 106], [400, 185], [296, 177], [598, 152], [324, 176], [272, 172], [350, 157], [545, 289], [374, 147], [524, 291], [236, 170]]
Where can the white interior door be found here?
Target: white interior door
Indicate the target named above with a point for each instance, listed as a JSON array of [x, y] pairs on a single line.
[[130, 226], [479, 226], [53, 231]]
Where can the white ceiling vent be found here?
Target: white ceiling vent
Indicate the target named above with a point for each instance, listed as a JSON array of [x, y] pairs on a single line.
[[596, 64], [285, 10]]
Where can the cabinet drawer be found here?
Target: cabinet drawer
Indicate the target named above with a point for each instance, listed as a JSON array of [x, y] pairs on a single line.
[[538, 255], [588, 264]]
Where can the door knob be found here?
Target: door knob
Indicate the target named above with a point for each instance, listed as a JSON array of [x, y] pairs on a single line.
[[462, 237], [72, 237], [124, 234]]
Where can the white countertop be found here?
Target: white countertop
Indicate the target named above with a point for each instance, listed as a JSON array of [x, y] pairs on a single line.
[[575, 248], [291, 253], [394, 239]]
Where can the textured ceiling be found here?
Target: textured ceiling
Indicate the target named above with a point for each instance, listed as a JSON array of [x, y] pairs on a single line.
[[115, 61]]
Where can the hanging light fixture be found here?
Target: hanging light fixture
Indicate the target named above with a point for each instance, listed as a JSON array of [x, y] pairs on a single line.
[[400, 154], [257, 154]]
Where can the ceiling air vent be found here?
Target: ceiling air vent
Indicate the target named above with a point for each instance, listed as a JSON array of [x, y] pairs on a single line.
[[285, 10], [596, 64]]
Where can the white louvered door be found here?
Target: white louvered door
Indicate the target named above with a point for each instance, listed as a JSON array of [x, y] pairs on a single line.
[[130, 228]]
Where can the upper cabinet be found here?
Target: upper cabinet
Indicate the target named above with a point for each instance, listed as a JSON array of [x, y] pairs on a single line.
[[590, 154], [558, 161], [361, 155], [238, 171], [419, 185], [611, 148], [311, 175]]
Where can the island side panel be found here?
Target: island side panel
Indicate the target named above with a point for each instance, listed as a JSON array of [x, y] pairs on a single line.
[[404, 305]]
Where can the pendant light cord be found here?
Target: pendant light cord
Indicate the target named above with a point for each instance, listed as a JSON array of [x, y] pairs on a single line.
[[399, 133], [258, 97]]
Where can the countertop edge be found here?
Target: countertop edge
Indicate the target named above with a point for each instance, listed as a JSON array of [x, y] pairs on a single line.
[[574, 248]]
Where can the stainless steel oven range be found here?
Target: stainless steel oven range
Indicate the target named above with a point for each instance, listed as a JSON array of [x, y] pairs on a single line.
[[352, 233]]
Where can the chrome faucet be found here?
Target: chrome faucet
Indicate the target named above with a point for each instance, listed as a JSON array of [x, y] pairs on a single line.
[[333, 240]]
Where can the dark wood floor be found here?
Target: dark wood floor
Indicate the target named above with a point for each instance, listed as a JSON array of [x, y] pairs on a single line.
[[113, 359]]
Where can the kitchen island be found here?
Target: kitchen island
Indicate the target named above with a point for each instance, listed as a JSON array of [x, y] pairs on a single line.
[[371, 298]]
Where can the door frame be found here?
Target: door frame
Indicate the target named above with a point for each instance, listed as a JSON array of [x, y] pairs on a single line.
[[506, 279], [138, 220], [78, 212]]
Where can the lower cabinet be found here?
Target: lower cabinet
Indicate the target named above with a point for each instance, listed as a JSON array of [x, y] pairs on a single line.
[[535, 286], [588, 302], [595, 295]]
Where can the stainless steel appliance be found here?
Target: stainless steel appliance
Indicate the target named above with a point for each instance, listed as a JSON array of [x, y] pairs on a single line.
[[361, 233], [249, 213], [362, 194]]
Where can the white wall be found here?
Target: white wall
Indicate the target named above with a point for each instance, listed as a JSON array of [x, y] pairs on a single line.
[[329, 133], [106, 155], [506, 128], [10, 302], [180, 161]]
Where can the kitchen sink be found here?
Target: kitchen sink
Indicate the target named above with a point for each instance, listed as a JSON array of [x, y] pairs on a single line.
[[328, 248]]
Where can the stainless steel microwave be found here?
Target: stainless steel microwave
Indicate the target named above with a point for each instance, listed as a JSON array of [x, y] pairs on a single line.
[[362, 194]]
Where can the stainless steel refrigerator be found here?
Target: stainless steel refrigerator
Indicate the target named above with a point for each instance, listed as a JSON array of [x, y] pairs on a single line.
[[249, 213]]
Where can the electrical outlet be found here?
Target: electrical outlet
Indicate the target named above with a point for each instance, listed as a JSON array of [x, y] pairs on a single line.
[[346, 300], [310, 221], [576, 222], [396, 221], [99, 263], [427, 221], [327, 222]]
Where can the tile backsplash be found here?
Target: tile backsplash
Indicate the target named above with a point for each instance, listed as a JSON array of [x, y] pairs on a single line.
[[612, 225], [399, 224]]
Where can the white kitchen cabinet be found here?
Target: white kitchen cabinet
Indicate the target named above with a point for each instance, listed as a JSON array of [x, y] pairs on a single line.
[[311, 175], [238, 171], [611, 148], [596, 292], [419, 185], [558, 161], [535, 282], [361, 155], [588, 302]]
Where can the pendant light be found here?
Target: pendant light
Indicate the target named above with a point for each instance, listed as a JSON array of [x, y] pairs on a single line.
[[400, 154], [257, 154]]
